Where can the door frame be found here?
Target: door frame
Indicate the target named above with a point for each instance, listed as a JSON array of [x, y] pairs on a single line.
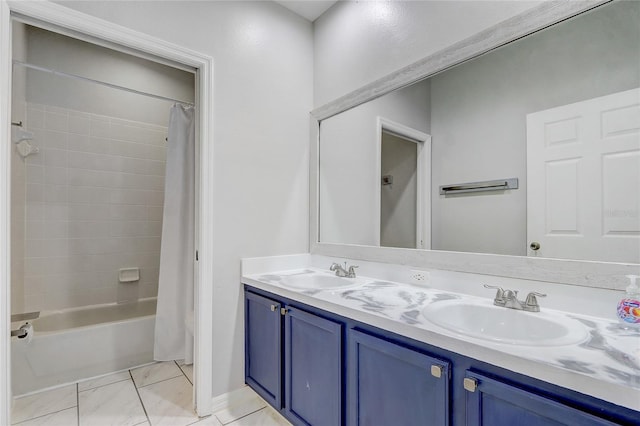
[[423, 178], [98, 31]]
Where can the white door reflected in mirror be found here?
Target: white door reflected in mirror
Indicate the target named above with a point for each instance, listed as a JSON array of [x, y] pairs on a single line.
[[583, 170]]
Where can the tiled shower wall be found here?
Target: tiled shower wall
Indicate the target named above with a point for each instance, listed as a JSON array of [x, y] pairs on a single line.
[[94, 200]]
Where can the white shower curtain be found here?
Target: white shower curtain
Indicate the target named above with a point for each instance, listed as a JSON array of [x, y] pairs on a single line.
[[174, 315]]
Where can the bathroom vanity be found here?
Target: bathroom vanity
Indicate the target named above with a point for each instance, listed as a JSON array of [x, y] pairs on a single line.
[[325, 350]]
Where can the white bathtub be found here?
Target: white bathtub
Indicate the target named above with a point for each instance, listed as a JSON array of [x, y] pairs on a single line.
[[79, 343]]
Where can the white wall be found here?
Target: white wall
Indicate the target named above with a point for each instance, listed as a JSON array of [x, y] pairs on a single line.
[[478, 120], [58, 52], [348, 163], [263, 94], [358, 42]]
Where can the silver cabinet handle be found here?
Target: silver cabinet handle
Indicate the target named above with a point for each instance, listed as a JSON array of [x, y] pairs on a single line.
[[273, 308], [535, 246], [470, 384], [436, 371]]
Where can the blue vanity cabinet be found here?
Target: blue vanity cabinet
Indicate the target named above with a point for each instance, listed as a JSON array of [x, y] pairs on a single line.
[[491, 402], [313, 368], [321, 369], [389, 384], [263, 343]]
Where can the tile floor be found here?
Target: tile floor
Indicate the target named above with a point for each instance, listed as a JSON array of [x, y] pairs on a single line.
[[157, 394]]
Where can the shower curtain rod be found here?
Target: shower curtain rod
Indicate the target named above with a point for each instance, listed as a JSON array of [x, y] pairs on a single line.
[[102, 83]]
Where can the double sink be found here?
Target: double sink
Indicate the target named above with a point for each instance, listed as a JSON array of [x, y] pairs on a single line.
[[469, 316]]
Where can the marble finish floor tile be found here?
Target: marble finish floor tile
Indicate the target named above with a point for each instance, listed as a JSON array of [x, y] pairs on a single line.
[[104, 380], [114, 404], [237, 404], [264, 417], [169, 403], [68, 417], [47, 402], [154, 373]]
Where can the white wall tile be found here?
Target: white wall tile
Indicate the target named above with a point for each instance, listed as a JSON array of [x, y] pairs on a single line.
[[35, 118], [56, 212], [35, 159], [34, 229], [79, 125], [127, 212], [155, 213], [55, 228], [100, 128], [34, 173], [34, 193], [55, 193], [54, 139], [156, 168], [55, 175], [94, 199], [56, 121], [54, 157], [89, 229]]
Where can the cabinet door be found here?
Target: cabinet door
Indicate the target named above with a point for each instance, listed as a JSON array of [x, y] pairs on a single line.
[[494, 403], [313, 369], [390, 384], [263, 349]]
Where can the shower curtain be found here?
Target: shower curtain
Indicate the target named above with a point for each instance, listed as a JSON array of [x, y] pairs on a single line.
[[174, 314]]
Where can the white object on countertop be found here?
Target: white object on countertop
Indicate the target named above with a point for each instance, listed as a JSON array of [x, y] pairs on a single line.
[[128, 275]]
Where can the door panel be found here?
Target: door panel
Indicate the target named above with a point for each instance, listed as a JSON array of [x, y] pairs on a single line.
[[389, 384], [583, 179], [313, 375], [263, 362], [495, 403]]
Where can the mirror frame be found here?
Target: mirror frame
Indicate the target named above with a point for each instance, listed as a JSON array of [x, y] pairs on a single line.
[[608, 275]]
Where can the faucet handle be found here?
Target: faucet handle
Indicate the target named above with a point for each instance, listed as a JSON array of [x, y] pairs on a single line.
[[499, 293], [499, 299], [531, 301], [352, 271], [334, 266]]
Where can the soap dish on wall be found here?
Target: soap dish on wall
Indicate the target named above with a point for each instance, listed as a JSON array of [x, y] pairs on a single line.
[[128, 275]]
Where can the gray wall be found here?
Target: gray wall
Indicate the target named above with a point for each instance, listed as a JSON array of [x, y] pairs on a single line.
[[398, 200], [18, 170], [55, 51], [478, 113], [348, 186]]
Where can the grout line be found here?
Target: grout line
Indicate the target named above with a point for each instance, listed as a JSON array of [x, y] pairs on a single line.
[[101, 386], [78, 403], [235, 420], [159, 381], [43, 415], [185, 374], [140, 398]]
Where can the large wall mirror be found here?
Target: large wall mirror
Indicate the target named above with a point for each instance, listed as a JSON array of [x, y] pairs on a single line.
[[532, 149]]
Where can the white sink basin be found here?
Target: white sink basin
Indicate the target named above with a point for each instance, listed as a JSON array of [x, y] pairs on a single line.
[[482, 320], [319, 282]]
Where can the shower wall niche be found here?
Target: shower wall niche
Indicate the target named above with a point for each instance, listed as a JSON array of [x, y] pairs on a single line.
[[90, 202]]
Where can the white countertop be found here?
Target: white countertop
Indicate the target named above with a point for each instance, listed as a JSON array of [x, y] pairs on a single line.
[[605, 365]]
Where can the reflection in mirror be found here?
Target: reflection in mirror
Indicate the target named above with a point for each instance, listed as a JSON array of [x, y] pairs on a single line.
[[558, 110]]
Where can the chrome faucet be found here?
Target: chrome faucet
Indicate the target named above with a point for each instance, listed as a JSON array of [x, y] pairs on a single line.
[[342, 271], [509, 299]]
